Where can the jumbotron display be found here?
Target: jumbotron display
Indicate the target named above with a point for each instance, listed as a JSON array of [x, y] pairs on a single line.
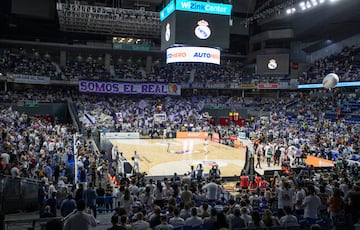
[[272, 64], [195, 23]]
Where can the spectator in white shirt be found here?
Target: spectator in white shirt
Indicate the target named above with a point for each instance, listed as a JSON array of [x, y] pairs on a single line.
[[80, 220], [211, 190], [311, 205]]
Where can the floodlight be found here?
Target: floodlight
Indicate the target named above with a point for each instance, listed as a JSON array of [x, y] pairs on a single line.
[[308, 5], [314, 2], [302, 5]]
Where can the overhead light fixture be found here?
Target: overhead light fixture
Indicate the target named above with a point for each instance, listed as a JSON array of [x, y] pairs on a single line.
[[321, 1], [290, 10], [302, 5], [308, 5], [314, 2]]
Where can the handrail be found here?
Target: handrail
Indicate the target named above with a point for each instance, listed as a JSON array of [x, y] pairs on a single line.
[[35, 181], [73, 115], [31, 221]]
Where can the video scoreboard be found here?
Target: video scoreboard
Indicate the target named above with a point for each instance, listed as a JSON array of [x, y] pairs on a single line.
[[197, 29], [271, 64], [195, 24]]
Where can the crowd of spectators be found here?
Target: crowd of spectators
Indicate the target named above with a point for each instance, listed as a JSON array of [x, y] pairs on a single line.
[[128, 71], [78, 68], [308, 198], [345, 64], [36, 95], [24, 63], [328, 198], [85, 69], [35, 147], [40, 149], [128, 114], [171, 73]]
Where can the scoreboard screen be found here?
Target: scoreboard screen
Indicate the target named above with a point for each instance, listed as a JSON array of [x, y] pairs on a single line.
[[202, 29], [272, 64], [168, 32], [195, 24]]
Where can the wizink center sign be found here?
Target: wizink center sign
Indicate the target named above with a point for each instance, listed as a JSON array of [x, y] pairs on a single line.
[[129, 88], [195, 6], [203, 7]]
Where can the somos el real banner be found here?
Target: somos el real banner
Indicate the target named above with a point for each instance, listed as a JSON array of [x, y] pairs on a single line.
[[129, 88], [193, 54]]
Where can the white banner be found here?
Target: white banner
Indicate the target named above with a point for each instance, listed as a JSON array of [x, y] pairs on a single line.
[[193, 54], [29, 79], [114, 135]]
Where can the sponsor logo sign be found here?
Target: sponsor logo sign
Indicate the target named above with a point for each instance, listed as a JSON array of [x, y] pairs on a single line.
[[201, 135], [193, 54], [268, 86], [195, 6], [318, 162], [203, 7], [169, 9], [116, 135]]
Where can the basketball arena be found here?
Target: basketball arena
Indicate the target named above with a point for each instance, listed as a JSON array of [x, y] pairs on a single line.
[[179, 114]]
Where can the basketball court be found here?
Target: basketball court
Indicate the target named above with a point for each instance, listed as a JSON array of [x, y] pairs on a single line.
[[160, 157]]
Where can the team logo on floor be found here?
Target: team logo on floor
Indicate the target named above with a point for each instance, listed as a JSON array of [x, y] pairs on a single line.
[[209, 163], [180, 152]]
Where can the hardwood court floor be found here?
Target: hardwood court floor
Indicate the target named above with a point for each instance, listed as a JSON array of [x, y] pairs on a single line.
[[159, 157]]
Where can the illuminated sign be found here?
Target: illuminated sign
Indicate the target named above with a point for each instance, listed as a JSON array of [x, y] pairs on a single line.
[[268, 86], [193, 54], [203, 7], [169, 9], [196, 7], [340, 84]]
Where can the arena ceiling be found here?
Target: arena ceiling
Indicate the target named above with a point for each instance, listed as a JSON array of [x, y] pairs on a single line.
[[331, 22]]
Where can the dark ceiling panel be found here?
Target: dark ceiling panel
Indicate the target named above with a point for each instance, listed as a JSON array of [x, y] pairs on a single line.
[[244, 6], [334, 21]]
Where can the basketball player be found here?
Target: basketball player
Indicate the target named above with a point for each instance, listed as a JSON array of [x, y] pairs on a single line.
[[168, 148], [136, 168], [206, 146], [164, 133]]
